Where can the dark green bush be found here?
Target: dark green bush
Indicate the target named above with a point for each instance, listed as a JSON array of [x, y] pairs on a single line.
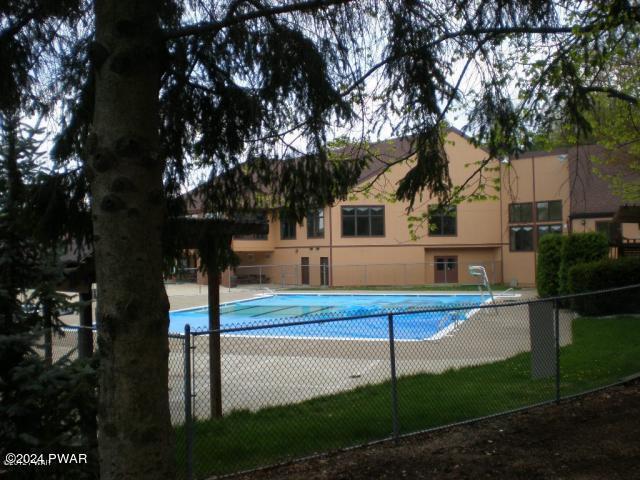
[[549, 256], [603, 274], [580, 248], [48, 409]]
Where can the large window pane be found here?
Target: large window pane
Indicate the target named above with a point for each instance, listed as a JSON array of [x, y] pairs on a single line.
[[555, 210], [549, 211], [521, 238], [362, 225], [520, 212], [377, 225], [348, 225], [315, 224], [287, 229], [362, 221], [257, 217], [443, 220], [542, 211]]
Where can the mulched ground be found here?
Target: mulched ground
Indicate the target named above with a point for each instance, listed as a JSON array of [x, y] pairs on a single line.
[[593, 437]]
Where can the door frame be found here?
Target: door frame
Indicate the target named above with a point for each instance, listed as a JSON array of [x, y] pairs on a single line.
[[324, 271], [444, 259], [304, 270]]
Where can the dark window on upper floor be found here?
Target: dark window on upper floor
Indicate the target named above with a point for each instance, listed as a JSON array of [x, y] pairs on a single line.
[[520, 212], [287, 229], [257, 217], [362, 221], [443, 220], [549, 211], [315, 224]]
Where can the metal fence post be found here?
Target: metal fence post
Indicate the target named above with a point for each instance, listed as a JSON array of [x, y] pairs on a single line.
[[394, 381], [188, 419], [556, 313]]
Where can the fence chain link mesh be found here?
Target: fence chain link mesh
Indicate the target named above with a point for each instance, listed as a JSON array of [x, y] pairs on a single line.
[[305, 384]]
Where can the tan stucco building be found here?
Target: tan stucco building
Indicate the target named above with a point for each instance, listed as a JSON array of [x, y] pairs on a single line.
[[367, 239]]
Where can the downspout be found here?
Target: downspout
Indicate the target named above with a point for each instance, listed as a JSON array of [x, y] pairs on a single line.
[[501, 229], [535, 221], [330, 246]]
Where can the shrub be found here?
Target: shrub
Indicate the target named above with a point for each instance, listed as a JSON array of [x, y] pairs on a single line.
[[603, 274], [549, 255], [580, 248], [47, 409]]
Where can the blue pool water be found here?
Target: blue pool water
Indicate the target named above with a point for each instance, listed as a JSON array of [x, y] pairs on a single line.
[[276, 309]]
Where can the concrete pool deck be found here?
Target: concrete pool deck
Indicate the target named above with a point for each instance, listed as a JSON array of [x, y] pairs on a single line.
[[264, 372]]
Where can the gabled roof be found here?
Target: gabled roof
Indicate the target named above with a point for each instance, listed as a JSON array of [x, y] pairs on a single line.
[[590, 193], [380, 154]]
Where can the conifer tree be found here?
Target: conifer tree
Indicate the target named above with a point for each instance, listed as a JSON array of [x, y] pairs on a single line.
[[150, 91]]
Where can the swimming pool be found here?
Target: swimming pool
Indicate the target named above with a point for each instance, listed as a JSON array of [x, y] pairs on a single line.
[[288, 308]]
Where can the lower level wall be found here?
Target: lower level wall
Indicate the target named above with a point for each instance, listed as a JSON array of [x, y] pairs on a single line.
[[358, 266], [519, 267]]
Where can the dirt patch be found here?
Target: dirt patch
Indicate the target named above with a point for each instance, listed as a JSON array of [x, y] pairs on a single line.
[[592, 437]]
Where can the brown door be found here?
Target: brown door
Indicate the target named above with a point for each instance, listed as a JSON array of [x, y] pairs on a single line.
[[324, 271], [304, 270], [446, 269]]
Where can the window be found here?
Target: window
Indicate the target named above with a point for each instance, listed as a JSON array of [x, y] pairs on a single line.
[[442, 220], [287, 229], [363, 221], [547, 229], [315, 224], [549, 211], [611, 230], [520, 212], [256, 217], [521, 238]]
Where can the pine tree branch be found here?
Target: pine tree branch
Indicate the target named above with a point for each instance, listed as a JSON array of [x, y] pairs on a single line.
[[15, 27], [613, 93], [469, 32], [230, 20]]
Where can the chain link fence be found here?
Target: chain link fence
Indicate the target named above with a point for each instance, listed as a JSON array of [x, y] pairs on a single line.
[[256, 394]]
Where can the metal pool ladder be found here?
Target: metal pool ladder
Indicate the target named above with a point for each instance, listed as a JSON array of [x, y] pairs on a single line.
[[479, 271]]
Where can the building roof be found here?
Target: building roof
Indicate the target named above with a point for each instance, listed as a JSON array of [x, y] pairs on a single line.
[[590, 193], [381, 154], [627, 214]]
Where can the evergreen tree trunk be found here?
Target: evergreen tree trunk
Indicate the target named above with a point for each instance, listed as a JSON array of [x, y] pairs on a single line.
[[128, 210]]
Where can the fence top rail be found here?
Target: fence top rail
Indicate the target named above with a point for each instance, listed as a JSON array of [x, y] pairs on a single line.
[[315, 321]]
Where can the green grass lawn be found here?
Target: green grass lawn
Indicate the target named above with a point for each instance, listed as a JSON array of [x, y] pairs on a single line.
[[603, 351], [498, 287]]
